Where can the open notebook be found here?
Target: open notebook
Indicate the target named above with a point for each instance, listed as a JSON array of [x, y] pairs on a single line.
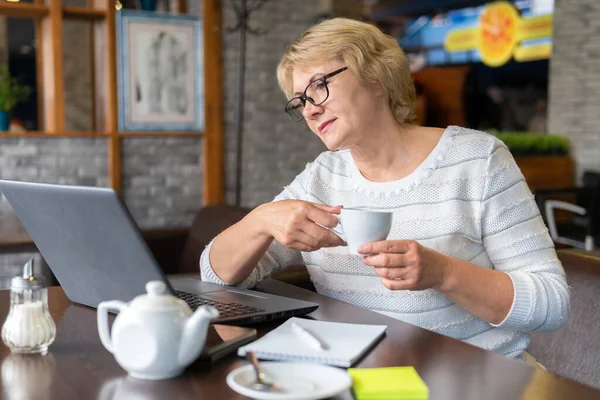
[[343, 343]]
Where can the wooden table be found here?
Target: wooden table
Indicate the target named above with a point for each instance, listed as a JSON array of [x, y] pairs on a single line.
[[78, 366]]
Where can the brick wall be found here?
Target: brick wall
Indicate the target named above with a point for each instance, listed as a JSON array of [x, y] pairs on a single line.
[[162, 180], [275, 148], [574, 92]]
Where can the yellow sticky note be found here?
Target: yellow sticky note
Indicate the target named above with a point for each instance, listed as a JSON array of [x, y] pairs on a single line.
[[398, 383]]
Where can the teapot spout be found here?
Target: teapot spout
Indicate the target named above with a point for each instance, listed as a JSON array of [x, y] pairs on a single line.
[[194, 334]]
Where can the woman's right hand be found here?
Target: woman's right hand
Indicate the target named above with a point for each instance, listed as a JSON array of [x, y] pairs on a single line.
[[300, 225]]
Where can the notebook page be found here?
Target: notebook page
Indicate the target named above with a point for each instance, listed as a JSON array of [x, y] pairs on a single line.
[[346, 342]]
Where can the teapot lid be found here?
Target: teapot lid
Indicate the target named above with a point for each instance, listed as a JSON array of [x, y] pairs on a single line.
[[157, 299]]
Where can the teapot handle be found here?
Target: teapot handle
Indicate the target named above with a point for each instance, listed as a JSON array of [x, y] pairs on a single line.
[[103, 320]]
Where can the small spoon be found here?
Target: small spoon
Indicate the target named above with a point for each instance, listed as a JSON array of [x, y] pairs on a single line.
[[261, 384]]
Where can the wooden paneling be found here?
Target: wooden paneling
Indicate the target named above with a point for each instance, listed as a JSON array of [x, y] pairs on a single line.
[[52, 70], [547, 172], [159, 134], [213, 77], [182, 6], [54, 134], [443, 90], [114, 149], [111, 68], [39, 69], [23, 10], [83, 13]]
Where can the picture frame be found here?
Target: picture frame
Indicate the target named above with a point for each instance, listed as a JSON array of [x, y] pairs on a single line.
[[160, 72]]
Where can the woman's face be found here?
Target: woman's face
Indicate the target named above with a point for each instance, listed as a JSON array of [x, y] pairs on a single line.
[[348, 114]]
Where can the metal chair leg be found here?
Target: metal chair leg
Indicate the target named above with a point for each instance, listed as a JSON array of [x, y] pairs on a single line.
[[589, 243]]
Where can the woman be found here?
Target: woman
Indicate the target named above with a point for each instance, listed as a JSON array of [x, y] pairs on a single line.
[[468, 255]]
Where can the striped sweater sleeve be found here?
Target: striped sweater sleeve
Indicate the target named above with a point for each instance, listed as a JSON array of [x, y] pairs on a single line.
[[277, 257], [518, 243]]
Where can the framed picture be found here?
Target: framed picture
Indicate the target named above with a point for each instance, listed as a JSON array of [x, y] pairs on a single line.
[[160, 72]]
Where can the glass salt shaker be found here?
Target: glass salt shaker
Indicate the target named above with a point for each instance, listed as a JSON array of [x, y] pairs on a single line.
[[29, 328]]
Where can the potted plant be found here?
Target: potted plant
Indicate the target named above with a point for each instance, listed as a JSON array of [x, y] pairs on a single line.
[[12, 92], [527, 144], [543, 159]]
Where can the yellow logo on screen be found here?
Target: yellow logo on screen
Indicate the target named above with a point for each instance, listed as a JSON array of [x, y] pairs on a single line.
[[497, 33]]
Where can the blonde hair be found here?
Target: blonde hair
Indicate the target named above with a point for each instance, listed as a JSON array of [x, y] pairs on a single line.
[[374, 57]]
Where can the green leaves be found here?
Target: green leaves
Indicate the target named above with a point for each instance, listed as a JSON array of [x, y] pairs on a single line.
[[530, 144], [11, 90]]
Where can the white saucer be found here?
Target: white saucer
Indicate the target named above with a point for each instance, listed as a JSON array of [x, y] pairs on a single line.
[[301, 381]]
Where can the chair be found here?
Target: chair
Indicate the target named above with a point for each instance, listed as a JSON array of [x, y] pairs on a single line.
[[180, 252], [573, 351], [582, 230], [208, 223]]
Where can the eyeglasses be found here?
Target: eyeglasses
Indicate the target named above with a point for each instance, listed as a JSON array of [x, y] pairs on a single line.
[[316, 93]]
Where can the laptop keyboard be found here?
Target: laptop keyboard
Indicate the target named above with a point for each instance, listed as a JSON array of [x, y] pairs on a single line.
[[225, 309]]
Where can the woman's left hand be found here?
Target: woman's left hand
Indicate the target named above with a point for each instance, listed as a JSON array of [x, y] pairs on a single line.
[[406, 265]]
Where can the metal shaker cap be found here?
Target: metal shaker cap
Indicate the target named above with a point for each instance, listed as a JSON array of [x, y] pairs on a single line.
[[27, 280]]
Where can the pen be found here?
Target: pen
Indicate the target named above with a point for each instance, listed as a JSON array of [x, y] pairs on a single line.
[[309, 338]]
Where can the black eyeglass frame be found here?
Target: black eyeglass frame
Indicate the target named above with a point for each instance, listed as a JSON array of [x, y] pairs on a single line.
[[304, 97]]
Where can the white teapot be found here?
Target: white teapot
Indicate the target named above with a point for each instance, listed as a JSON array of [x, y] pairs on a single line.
[[156, 335]]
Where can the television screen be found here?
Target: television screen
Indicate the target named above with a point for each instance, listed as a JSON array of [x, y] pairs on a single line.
[[494, 34]]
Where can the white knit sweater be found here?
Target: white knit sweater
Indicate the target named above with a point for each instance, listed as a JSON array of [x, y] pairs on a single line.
[[469, 200]]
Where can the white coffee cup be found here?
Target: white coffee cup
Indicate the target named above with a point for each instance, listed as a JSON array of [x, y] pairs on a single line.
[[358, 226]]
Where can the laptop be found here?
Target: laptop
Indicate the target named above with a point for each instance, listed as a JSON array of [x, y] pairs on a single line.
[[97, 253]]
